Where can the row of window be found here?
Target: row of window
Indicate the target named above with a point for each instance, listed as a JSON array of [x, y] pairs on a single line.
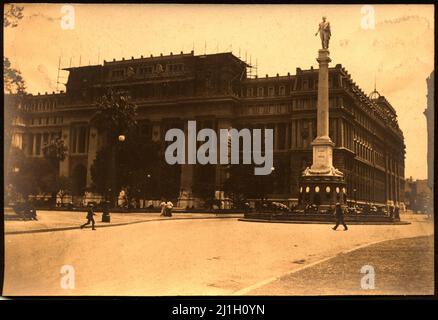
[[261, 92], [46, 121], [37, 141], [42, 105], [79, 139], [268, 109]]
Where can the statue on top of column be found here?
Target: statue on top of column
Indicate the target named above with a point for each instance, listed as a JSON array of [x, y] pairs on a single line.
[[324, 32]]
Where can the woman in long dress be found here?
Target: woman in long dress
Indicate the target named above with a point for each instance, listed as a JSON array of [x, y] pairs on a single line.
[[163, 208]]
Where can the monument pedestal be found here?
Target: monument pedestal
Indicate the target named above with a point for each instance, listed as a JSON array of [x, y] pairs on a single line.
[[324, 191], [186, 200]]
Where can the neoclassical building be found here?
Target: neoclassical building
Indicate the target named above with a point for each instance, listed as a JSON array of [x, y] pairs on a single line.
[[216, 91]]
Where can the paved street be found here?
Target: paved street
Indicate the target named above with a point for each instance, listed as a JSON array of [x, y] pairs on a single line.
[[177, 256]]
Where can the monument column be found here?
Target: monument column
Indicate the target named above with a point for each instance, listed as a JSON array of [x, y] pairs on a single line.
[[323, 184], [323, 94], [322, 145]]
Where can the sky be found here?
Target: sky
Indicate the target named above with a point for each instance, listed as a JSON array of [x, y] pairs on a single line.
[[396, 53]]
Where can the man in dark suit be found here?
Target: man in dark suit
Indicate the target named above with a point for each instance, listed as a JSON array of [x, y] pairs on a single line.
[[339, 214], [32, 211], [90, 218]]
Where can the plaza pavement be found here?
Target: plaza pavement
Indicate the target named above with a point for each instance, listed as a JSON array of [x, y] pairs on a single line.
[[68, 220], [194, 254]]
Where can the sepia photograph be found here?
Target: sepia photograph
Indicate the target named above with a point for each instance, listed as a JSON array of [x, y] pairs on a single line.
[[162, 150]]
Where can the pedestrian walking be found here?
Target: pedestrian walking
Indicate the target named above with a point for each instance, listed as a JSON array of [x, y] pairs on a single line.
[[90, 218], [339, 214]]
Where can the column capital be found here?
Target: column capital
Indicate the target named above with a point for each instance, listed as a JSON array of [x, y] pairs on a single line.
[[323, 56]]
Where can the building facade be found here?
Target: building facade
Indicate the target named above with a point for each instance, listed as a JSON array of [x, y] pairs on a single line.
[[216, 91], [430, 118], [418, 196]]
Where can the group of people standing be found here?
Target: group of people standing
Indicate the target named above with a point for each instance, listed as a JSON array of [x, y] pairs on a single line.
[[166, 208]]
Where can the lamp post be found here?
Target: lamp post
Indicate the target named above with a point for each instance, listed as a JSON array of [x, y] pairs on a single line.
[[148, 180], [121, 138], [355, 197], [112, 174]]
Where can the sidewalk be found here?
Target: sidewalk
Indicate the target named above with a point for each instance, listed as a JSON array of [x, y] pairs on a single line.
[[401, 267], [49, 221]]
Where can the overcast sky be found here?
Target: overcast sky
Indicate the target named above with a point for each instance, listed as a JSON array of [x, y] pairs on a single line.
[[398, 52]]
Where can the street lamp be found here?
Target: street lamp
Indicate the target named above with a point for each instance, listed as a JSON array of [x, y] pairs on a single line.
[[355, 197], [106, 214], [148, 183]]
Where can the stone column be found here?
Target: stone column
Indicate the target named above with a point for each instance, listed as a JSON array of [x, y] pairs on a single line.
[[34, 144], [323, 95], [186, 198], [322, 146], [92, 151], [287, 140], [221, 174], [64, 166], [276, 136]]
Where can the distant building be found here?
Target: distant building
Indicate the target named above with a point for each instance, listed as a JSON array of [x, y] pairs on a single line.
[[418, 195], [429, 113], [216, 90]]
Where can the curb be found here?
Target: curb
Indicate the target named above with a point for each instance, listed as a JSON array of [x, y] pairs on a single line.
[[326, 222], [112, 225]]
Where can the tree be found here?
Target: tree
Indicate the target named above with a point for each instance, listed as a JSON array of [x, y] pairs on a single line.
[[55, 152], [138, 167], [115, 116], [12, 14], [14, 86], [13, 81], [29, 175]]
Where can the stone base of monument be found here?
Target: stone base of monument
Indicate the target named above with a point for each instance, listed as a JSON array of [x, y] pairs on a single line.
[[298, 216], [323, 191], [189, 202]]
